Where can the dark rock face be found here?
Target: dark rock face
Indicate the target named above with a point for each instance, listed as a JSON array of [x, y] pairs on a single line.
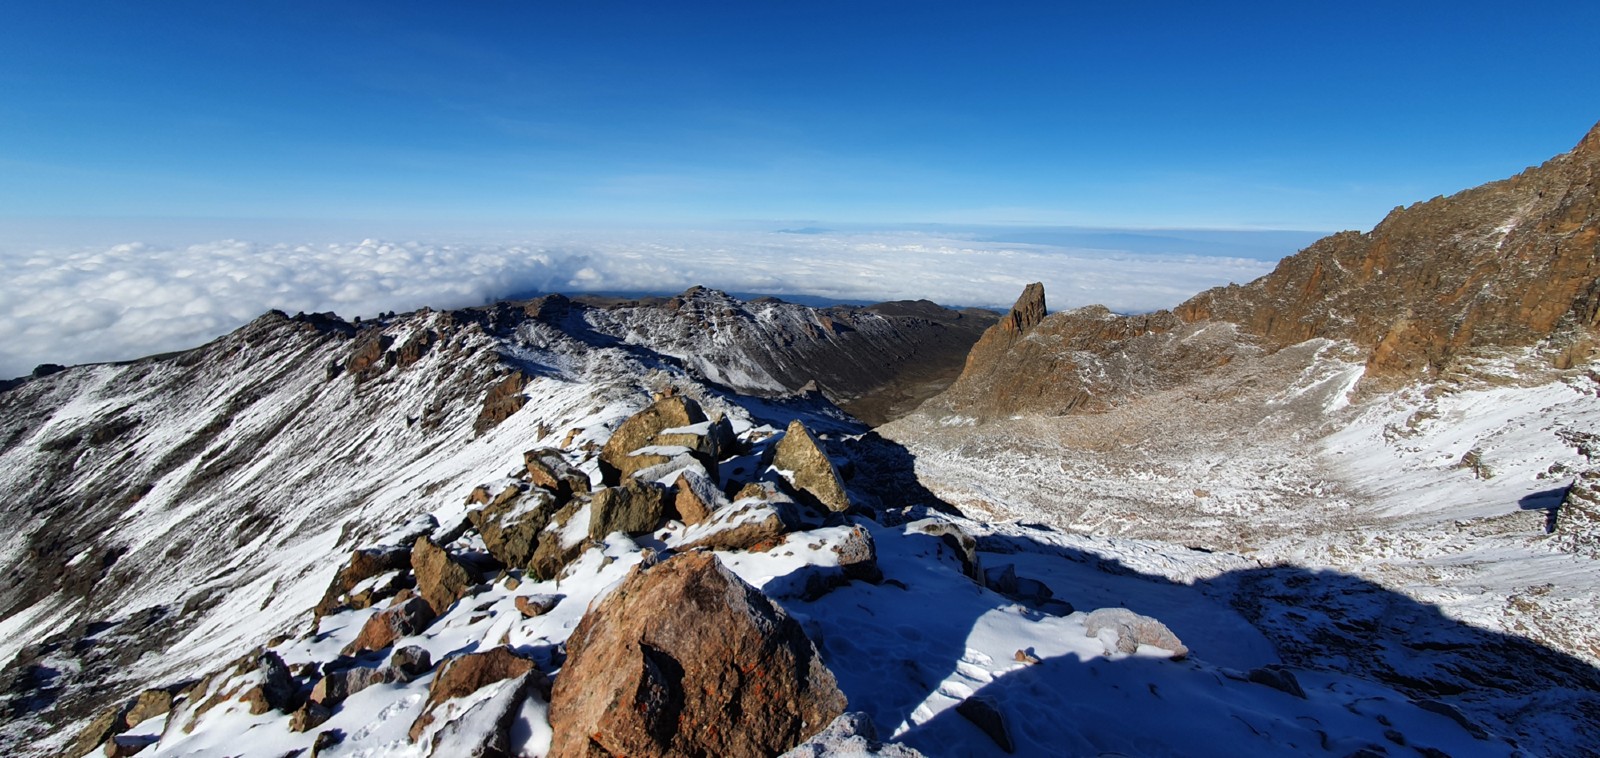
[[727, 673], [811, 470]]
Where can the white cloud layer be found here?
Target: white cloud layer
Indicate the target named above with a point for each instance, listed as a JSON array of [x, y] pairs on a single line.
[[129, 300]]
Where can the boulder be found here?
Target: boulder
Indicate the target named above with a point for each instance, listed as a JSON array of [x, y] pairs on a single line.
[[858, 555], [365, 564], [563, 540], [987, 716], [696, 497], [148, 705], [309, 716], [483, 729], [722, 672], [616, 462], [1132, 630], [441, 580], [635, 507], [808, 467], [511, 523], [258, 682], [390, 624], [532, 606], [957, 540], [548, 468], [104, 726], [853, 735], [335, 686], [740, 526], [1278, 678], [410, 662], [464, 675], [124, 745]]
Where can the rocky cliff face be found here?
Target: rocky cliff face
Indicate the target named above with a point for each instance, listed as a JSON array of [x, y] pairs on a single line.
[[1510, 264]]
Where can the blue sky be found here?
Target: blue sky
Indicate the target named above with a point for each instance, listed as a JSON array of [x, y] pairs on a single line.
[[1279, 116]]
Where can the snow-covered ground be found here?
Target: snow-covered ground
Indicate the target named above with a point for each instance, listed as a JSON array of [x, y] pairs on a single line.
[[1442, 495]]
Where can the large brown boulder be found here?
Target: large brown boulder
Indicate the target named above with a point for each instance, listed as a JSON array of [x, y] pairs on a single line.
[[464, 675], [441, 581], [390, 624], [350, 586], [510, 524], [548, 468], [684, 658], [562, 541], [696, 497], [809, 468], [617, 461], [635, 507]]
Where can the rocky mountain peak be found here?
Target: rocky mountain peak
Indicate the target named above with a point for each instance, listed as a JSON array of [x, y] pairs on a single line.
[[1513, 264], [1028, 311]]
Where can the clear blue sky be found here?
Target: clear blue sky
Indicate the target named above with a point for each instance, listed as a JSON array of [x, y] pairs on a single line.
[[1282, 115]]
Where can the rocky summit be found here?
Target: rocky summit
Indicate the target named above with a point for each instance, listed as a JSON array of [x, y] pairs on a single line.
[[1346, 509]]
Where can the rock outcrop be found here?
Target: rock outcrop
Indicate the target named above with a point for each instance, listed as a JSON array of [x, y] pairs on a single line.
[[633, 507], [727, 673], [464, 675], [808, 467], [1510, 264], [1577, 527], [441, 580], [618, 458]]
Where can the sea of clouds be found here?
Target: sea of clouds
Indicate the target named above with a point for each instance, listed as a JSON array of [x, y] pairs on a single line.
[[103, 303]]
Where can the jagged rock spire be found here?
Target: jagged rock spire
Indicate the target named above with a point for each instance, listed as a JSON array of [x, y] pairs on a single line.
[[1027, 312]]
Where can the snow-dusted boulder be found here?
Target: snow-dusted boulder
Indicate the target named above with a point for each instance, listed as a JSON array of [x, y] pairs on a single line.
[[684, 658], [1132, 630]]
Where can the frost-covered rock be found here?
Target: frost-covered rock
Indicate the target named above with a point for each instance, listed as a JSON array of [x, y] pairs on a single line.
[[460, 678], [1132, 630], [696, 497], [511, 523], [548, 468], [685, 658]]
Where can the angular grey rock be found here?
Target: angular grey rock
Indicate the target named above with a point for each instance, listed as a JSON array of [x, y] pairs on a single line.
[[802, 458], [984, 714]]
